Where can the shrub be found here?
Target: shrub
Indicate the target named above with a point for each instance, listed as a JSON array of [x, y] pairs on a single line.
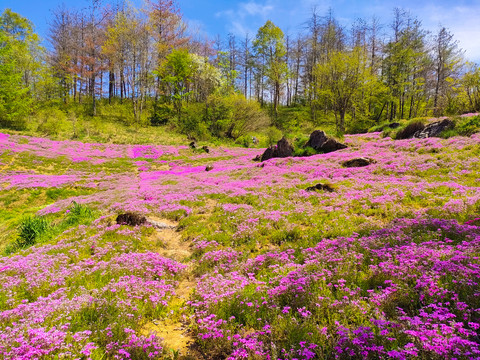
[[191, 122], [78, 213], [29, 231], [244, 140], [468, 126], [162, 114], [273, 135], [233, 116], [52, 121], [291, 119]]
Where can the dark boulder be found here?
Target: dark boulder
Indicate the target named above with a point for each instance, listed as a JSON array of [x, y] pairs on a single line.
[[410, 130], [321, 143], [358, 162], [193, 145], [320, 187], [206, 149], [209, 168], [434, 129], [283, 149], [131, 219]]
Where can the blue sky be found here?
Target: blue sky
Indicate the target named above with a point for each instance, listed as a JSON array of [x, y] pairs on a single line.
[[461, 17]]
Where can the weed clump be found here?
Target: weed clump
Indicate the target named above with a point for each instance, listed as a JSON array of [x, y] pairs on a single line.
[[29, 231], [78, 213]]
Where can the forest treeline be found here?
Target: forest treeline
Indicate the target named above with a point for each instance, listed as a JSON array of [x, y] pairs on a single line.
[[145, 66]]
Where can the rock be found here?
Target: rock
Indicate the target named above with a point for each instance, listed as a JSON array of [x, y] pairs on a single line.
[[209, 168], [410, 131], [358, 162], [317, 187], [131, 219], [434, 129], [193, 145], [321, 143], [283, 149], [268, 154], [160, 225], [206, 149]]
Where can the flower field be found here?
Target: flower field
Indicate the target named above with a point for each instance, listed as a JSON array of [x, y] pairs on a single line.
[[385, 266]]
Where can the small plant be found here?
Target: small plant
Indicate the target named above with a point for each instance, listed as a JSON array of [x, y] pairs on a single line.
[[468, 126], [273, 135], [77, 213], [30, 229]]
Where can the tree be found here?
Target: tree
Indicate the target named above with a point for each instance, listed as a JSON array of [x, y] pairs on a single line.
[[177, 74], [405, 67], [325, 37], [167, 29], [447, 61], [269, 46], [20, 65], [469, 89], [344, 82], [127, 48]]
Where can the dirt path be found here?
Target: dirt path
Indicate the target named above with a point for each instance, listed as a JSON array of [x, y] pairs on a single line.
[[175, 328]]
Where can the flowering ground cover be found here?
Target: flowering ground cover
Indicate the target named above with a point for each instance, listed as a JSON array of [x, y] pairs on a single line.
[[385, 266]]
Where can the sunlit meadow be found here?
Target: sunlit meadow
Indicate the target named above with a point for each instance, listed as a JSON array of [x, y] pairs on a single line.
[[385, 266]]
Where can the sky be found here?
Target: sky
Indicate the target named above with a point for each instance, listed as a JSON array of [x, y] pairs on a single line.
[[241, 17]]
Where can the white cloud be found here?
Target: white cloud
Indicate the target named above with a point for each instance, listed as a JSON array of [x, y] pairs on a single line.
[[460, 17], [461, 21], [246, 17], [254, 9]]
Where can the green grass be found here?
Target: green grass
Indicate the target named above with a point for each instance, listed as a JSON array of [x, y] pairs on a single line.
[[38, 229]]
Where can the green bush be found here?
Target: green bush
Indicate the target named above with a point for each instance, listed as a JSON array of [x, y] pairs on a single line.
[[162, 114], [29, 231], [51, 121], [191, 122], [273, 135], [468, 126], [78, 213], [244, 140], [233, 116]]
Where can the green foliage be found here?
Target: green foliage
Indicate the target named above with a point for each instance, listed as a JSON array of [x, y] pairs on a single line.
[[273, 135], [34, 229], [292, 119], [228, 75], [406, 58], [162, 114], [191, 122], [345, 83], [78, 214], [269, 46], [20, 63], [234, 116], [52, 121], [29, 231], [468, 125], [177, 73]]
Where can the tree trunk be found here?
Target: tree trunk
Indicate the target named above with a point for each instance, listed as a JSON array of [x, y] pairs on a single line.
[[111, 86]]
